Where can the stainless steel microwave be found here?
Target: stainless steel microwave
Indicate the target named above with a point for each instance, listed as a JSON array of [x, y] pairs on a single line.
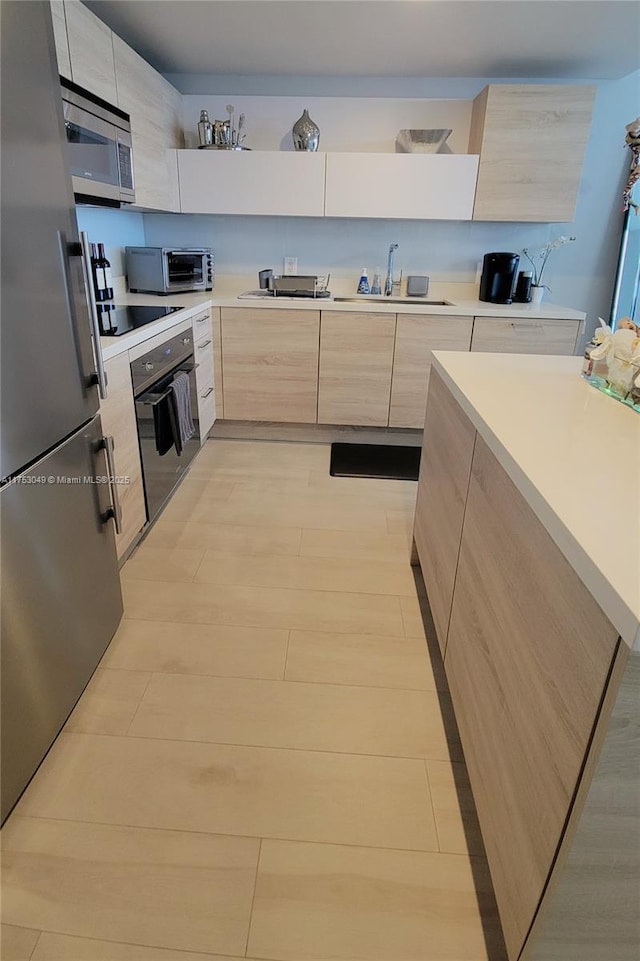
[[99, 148], [168, 270]]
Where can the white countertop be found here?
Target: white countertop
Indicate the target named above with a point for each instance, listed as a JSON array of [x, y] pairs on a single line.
[[192, 303], [462, 298], [574, 454]]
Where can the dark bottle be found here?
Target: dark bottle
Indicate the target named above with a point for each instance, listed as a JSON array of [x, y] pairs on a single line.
[[104, 274], [96, 275], [523, 287]]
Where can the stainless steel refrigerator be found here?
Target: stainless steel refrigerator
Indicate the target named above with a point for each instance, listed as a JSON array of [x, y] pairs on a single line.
[[61, 600]]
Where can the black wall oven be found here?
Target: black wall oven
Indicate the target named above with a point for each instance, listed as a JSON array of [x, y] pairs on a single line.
[[152, 375]]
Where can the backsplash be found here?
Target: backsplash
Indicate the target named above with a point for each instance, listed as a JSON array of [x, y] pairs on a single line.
[[446, 250], [116, 229]]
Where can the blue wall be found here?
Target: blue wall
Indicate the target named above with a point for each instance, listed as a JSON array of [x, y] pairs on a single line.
[[116, 229]]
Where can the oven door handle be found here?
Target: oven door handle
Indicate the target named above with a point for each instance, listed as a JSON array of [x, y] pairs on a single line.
[[158, 398]]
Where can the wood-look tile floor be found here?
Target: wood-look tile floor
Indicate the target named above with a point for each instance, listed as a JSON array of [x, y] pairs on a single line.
[[265, 763]]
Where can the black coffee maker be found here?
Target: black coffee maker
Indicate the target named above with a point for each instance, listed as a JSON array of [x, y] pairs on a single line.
[[498, 279]]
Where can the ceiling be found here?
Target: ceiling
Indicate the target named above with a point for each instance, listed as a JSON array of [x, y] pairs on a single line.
[[590, 39]]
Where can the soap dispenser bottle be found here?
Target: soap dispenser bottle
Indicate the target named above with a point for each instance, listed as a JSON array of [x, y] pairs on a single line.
[[363, 283], [376, 286]]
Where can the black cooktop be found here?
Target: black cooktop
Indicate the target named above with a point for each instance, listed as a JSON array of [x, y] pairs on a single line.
[[116, 321]]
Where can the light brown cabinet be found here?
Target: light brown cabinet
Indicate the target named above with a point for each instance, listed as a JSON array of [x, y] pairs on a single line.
[[505, 335], [60, 37], [217, 360], [527, 657], [147, 97], [531, 139], [417, 335], [270, 360], [118, 417], [90, 51], [356, 360], [445, 467]]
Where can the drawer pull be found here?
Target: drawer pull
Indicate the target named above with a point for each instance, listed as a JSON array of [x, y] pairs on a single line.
[[203, 319], [526, 326], [202, 346], [210, 391]]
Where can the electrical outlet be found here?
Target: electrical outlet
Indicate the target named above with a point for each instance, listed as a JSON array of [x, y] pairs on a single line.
[[290, 266]]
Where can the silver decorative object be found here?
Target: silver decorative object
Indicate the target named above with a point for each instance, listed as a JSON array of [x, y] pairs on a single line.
[[205, 129], [306, 134]]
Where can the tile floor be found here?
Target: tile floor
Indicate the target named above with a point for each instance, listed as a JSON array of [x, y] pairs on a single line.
[[265, 764]]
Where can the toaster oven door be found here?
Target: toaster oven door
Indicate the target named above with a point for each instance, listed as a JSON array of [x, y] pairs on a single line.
[[185, 270]]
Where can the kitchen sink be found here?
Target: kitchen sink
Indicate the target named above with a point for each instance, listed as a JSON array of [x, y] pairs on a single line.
[[367, 299]]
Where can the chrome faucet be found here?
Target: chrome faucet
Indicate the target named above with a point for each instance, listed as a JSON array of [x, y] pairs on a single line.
[[388, 284]]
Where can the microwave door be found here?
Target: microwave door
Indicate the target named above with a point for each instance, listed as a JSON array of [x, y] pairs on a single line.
[[93, 154]]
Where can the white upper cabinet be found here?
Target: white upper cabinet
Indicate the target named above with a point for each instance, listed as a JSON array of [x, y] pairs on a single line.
[[401, 186], [90, 51], [398, 186], [267, 182], [60, 37]]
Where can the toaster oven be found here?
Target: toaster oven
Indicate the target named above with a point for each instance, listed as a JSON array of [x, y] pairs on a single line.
[[169, 270]]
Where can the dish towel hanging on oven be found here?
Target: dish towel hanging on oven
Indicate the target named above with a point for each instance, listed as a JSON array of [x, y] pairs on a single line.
[[180, 404]]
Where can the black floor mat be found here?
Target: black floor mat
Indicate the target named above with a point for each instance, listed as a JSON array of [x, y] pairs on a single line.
[[375, 460]]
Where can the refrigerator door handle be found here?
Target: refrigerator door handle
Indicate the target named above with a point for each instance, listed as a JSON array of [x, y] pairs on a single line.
[[90, 378], [115, 510], [93, 314]]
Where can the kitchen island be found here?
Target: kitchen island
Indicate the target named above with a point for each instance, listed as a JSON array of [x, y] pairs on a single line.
[[529, 550]]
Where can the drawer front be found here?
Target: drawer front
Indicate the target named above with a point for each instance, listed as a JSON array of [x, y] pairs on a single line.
[[206, 410], [518, 336], [201, 327], [204, 359]]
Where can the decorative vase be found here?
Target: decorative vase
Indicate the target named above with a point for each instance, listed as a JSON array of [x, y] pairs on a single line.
[[306, 134], [537, 294]]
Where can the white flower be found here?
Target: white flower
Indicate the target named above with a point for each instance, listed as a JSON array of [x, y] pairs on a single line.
[[543, 256]]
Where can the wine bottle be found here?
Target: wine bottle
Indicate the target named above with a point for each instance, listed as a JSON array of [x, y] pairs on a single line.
[[105, 266], [96, 274]]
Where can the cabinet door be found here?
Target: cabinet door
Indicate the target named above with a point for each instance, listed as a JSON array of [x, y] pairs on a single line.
[[531, 139], [119, 420], [252, 182], [517, 336], [173, 139], [60, 37], [356, 358], [445, 467], [270, 364], [217, 361], [527, 660], [140, 93], [417, 335], [408, 186], [91, 51]]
